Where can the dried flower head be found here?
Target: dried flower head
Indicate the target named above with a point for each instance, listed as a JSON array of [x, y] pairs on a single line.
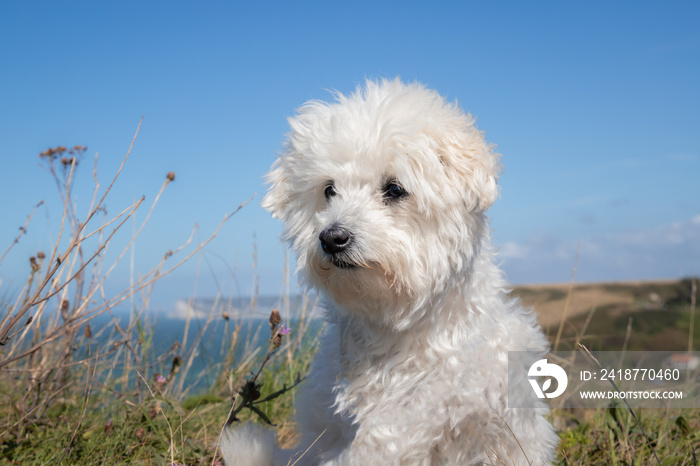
[[275, 319], [65, 304], [53, 153], [140, 433], [77, 150], [57, 153], [41, 255], [68, 162], [170, 176], [225, 316], [88, 331], [34, 264], [250, 390]]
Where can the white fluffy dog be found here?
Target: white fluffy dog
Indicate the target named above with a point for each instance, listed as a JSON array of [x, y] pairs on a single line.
[[383, 196]]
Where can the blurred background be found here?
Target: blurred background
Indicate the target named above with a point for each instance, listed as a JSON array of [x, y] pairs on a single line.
[[595, 107]]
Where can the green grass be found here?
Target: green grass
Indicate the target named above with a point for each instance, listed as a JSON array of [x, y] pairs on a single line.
[[612, 436], [116, 428]]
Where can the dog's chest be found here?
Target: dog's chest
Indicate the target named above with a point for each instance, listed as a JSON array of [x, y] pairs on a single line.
[[386, 384]]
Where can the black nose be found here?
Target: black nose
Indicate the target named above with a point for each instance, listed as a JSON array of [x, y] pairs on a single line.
[[335, 239]]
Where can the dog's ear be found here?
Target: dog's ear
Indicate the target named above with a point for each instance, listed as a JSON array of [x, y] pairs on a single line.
[[470, 163], [283, 196], [276, 201]]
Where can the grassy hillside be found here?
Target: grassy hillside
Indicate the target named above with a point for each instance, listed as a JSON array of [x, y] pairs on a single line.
[[650, 316]]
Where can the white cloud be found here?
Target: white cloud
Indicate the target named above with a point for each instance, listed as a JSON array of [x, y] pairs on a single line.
[[184, 309], [664, 251], [512, 250]]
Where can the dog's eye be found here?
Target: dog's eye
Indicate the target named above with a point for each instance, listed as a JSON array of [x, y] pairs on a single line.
[[394, 191], [329, 192]]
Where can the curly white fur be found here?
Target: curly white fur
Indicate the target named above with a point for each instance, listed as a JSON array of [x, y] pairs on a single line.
[[413, 367]]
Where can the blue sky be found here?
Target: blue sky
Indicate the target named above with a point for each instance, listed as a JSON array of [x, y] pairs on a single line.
[[595, 107]]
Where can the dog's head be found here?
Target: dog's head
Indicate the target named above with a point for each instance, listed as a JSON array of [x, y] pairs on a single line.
[[382, 194]]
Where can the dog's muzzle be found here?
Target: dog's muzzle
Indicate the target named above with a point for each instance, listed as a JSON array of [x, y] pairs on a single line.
[[335, 241]]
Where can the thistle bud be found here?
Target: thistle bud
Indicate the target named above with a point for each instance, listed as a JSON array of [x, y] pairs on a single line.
[[160, 381], [275, 319], [175, 367], [276, 339]]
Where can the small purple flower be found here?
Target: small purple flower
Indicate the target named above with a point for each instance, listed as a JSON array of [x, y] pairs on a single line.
[[284, 330]]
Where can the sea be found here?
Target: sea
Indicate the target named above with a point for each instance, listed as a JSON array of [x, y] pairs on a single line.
[[197, 334]]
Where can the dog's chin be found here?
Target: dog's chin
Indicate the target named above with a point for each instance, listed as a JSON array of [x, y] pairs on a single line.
[[341, 264]]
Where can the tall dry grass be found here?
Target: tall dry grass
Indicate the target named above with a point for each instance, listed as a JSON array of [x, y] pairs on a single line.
[[92, 391]]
